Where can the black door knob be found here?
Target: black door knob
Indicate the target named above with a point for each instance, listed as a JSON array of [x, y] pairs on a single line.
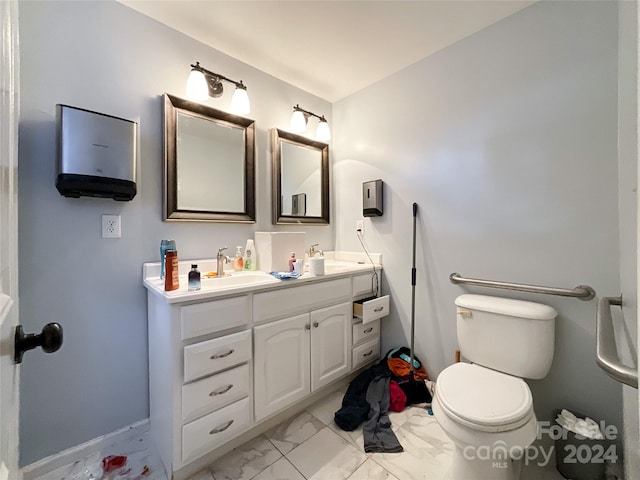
[[50, 339]]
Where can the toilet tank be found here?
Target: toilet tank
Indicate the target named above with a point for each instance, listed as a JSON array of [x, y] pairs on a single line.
[[512, 336]]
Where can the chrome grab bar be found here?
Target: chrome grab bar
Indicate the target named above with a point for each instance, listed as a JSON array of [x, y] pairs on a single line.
[[582, 292], [606, 351]]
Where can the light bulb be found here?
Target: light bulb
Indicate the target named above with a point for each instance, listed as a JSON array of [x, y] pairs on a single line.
[[323, 133], [197, 86], [298, 122], [240, 102]]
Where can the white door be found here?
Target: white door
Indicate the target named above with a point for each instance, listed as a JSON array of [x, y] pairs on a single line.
[[330, 344], [628, 169], [8, 239], [281, 364]]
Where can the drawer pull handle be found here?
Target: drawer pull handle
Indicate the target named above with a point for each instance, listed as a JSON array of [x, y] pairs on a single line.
[[222, 355], [379, 309], [315, 324], [221, 429], [370, 352], [368, 330], [307, 327], [221, 391]]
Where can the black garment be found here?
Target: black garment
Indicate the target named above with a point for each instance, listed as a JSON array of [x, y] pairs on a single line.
[[416, 391], [355, 408]]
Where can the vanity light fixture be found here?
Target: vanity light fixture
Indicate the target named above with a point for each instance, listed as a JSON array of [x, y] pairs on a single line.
[[203, 83], [299, 123]]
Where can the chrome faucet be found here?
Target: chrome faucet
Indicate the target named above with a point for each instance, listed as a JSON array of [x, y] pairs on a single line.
[[222, 259], [313, 252]]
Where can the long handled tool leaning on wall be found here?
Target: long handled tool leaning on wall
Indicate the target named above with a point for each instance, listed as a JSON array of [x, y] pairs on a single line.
[[414, 386]]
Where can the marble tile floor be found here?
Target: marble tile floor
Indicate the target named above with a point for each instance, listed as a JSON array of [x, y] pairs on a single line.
[[311, 447], [142, 462], [307, 447]]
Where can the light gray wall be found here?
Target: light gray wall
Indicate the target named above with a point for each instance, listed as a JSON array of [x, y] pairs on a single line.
[[507, 141], [106, 57]]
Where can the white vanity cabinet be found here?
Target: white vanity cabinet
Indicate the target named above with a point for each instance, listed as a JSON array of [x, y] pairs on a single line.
[[366, 324], [330, 344], [298, 355], [283, 363], [222, 362], [200, 375]]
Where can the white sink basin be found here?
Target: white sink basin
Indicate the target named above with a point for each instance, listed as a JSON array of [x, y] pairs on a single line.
[[237, 279], [336, 266]]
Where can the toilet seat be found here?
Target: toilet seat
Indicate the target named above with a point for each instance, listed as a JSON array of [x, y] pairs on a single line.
[[484, 399]]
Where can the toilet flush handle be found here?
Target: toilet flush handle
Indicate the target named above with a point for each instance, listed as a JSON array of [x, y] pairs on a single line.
[[465, 313]]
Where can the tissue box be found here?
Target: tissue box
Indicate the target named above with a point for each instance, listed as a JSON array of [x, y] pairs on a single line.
[[274, 249]]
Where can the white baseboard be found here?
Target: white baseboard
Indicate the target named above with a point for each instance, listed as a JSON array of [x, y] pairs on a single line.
[[78, 452]]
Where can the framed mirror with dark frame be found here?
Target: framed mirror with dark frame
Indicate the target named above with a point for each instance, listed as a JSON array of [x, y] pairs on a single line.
[[209, 164], [300, 169]]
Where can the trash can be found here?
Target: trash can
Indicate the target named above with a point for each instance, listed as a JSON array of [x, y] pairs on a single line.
[[580, 458]]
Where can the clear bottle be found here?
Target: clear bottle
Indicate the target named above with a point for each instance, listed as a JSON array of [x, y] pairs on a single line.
[[238, 261], [292, 260], [249, 256], [194, 278]]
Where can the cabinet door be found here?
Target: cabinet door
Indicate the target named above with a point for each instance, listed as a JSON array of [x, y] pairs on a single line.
[[330, 344], [282, 369]]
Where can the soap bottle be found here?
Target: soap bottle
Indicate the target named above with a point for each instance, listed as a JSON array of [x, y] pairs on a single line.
[[292, 260], [249, 256], [194, 278], [238, 261], [171, 279]]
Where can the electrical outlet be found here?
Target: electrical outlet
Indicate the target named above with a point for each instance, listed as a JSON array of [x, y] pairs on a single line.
[[360, 227], [111, 226]]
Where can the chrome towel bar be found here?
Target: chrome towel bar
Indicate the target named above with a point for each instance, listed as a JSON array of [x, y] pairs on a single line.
[[606, 351], [582, 292]]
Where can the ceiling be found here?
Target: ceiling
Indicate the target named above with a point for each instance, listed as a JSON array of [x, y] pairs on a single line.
[[328, 48]]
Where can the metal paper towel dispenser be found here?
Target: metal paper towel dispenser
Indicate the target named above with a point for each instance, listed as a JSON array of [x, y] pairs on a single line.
[[96, 154], [372, 198]]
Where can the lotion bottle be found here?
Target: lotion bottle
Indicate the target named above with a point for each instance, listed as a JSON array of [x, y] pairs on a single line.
[[249, 256]]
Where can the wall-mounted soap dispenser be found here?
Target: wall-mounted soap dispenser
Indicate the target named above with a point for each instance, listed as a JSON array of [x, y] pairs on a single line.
[[372, 198]]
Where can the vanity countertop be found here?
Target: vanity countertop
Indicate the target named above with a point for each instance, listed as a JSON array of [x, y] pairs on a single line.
[[242, 282]]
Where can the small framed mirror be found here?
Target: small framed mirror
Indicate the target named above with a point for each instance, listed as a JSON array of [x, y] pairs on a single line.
[[300, 168], [209, 160]]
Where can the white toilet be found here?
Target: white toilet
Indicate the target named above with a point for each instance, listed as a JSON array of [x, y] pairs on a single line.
[[485, 407]]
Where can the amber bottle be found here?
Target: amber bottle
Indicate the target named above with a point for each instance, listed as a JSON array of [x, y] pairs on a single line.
[[171, 281]]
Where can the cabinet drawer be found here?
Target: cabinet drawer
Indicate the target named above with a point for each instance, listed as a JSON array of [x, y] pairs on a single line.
[[290, 301], [208, 317], [204, 358], [212, 393], [365, 353], [371, 309], [210, 431], [363, 284], [365, 331]]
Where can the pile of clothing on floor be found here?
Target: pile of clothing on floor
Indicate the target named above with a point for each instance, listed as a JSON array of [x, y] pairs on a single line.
[[387, 386]]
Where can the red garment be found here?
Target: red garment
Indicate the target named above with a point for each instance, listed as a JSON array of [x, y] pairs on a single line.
[[397, 398]]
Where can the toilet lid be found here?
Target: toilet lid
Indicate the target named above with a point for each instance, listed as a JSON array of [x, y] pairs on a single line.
[[484, 397]]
